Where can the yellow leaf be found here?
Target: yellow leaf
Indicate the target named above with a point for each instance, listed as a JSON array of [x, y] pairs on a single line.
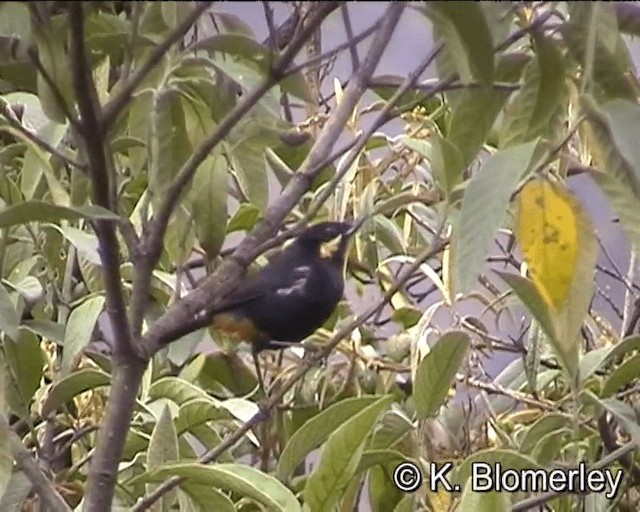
[[547, 232]]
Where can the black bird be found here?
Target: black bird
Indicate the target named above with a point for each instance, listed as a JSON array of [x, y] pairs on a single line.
[[291, 296]]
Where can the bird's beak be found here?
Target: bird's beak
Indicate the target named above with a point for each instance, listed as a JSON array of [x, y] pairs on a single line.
[[355, 226]]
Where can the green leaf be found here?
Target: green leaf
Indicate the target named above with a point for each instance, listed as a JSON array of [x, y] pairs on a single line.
[[617, 157], [467, 37], [209, 204], [36, 165], [244, 219], [622, 200], [612, 66], [24, 365], [16, 491], [624, 374], [9, 319], [240, 479], [196, 412], [205, 497], [85, 243], [316, 430], [476, 110], [34, 211], [623, 413], [592, 361], [529, 295], [484, 501], [177, 390], [546, 424], [163, 449], [530, 112], [170, 146], [78, 332], [437, 371], [484, 209], [340, 458], [47, 329], [68, 387], [249, 166]]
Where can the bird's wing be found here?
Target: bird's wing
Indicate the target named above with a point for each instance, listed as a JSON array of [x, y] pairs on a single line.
[[269, 281]]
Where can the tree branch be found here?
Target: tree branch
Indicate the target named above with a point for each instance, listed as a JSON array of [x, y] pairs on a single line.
[[128, 369], [14, 122]]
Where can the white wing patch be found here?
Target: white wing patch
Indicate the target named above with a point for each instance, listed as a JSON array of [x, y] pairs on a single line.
[[301, 275]]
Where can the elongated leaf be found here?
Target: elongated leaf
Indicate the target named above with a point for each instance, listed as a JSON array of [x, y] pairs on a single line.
[[196, 412], [467, 37], [612, 66], [340, 458], [437, 371], [24, 365], [547, 232], [238, 478], [528, 293], [622, 412], [624, 374], [475, 110], [79, 329], [34, 211], [617, 158], [250, 168], [9, 320], [530, 112], [169, 144], [6, 460], [163, 449], [548, 423], [484, 501], [483, 211], [209, 204], [206, 498], [68, 387], [316, 431], [623, 202]]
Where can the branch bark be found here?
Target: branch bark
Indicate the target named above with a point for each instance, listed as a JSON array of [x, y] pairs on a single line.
[[128, 369]]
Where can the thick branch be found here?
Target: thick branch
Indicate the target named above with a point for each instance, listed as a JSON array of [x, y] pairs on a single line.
[[128, 369], [93, 143], [186, 315]]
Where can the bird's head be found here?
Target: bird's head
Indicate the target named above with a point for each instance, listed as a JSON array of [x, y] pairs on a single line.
[[329, 239]]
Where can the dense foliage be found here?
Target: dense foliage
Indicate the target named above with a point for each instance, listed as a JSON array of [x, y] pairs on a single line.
[[150, 151]]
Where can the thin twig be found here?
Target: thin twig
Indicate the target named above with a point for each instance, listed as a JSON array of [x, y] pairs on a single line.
[[128, 369], [353, 50], [14, 122], [334, 51]]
